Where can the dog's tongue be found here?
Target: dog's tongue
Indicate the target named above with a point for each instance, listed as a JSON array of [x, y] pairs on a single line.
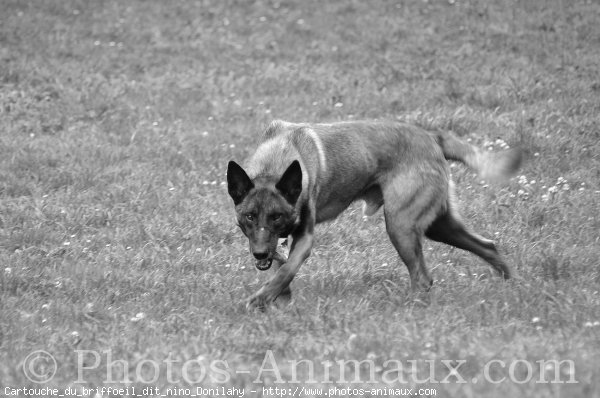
[[264, 265]]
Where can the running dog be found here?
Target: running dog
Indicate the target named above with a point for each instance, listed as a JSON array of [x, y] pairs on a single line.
[[304, 174]]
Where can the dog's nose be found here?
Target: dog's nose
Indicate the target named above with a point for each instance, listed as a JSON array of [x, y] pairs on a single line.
[[261, 256]]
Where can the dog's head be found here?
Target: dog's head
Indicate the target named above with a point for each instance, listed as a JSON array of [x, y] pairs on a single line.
[[265, 208]]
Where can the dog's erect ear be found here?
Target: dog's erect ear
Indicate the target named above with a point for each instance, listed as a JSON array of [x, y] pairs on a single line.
[[290, 184], [238, 182]]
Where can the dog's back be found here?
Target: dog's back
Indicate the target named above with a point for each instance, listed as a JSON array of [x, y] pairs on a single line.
[[375, 147]]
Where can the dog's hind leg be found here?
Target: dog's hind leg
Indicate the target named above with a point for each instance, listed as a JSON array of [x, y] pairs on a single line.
[[408, 244], [449, 229], [407, 214]]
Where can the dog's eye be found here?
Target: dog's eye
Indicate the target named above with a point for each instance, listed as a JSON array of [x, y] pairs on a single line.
[[276, 217], [249, 217]]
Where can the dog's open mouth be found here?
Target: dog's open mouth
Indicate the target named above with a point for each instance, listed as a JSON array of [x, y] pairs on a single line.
[[264, 265]]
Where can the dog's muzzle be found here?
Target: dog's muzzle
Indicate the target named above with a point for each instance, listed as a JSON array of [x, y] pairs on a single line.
[[263, 265]]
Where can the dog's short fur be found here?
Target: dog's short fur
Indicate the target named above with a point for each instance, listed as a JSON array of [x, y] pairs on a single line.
[[304, 174]]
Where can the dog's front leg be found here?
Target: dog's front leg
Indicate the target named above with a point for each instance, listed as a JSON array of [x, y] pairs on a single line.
[[302, 242]]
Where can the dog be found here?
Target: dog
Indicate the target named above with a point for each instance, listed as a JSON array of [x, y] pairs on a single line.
[[304, 174]]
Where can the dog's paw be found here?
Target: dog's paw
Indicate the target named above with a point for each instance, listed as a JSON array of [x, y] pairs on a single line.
[[255, 307], [284, 299], [263, 298], [421, 284], [256, 303], [259, 301]]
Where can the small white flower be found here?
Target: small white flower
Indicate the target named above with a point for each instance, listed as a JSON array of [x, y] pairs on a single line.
[[138, 317], [535, 319]]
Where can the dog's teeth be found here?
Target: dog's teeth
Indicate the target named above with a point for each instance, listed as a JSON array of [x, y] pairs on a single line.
[[264, 265]]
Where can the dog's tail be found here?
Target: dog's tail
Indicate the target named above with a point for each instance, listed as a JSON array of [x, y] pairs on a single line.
[[491, 166]]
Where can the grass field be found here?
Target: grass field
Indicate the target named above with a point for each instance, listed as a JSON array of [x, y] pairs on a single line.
[[117, 237]]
